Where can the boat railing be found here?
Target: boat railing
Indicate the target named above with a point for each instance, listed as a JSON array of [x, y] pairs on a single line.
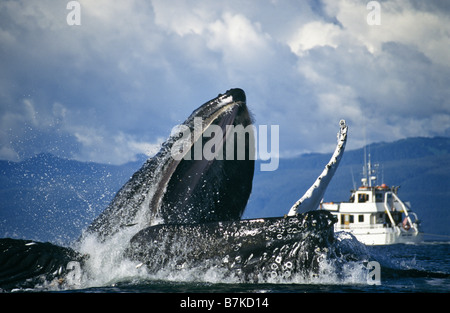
[[362, 226], [404, 210], [388, 211]]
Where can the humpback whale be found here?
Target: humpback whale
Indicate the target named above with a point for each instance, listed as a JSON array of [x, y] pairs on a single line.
[[183, 210]]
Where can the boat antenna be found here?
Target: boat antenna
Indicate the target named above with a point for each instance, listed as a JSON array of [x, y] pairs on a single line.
[[353, 178], [365, 176], [365, 179]]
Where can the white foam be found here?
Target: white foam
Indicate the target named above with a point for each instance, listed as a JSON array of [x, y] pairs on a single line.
[[105, 264]]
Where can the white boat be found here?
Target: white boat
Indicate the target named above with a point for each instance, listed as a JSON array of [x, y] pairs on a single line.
[[375, 215]]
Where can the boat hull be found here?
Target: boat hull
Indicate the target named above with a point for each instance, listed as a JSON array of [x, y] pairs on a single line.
[[383, 236]]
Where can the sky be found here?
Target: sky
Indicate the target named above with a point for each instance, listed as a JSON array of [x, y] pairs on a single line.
[[115, 85]]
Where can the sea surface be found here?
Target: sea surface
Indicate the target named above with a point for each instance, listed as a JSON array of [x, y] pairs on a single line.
[[404, 268], [416, 270], [400, 268]]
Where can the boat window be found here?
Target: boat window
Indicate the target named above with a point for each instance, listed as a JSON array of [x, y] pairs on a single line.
[[363, 197], [352, 198], [380, 218], [361, 218], [347, 219], [379, 197]]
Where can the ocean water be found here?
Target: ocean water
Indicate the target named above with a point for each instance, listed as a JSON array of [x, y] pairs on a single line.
[[414, 269], [353, 268], [404, 268]]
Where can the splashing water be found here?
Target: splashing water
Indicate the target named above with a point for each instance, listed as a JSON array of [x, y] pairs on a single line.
[[105, 264], [344, 262]]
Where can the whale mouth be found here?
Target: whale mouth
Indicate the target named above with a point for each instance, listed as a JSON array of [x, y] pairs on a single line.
[[211, 178], [202, 173], [213, 120]]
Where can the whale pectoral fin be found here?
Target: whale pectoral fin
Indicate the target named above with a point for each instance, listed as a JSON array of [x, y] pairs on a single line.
[[312, 197]]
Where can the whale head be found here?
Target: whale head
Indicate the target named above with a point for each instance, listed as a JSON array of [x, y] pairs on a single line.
[[202, 173], [211, 177]]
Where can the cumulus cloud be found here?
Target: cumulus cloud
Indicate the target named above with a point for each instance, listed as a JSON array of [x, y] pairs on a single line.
[[315, 34], [401, 21], [114, 86], [102, 147]]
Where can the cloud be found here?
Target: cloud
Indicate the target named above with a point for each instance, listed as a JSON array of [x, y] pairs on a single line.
[[401, 22], [315, 34], [119, 148], [114, 86]]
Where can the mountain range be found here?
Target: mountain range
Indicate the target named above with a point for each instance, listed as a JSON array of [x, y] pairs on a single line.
[[47, 198]]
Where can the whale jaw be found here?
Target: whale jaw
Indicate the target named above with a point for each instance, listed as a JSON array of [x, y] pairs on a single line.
[[173, 188]]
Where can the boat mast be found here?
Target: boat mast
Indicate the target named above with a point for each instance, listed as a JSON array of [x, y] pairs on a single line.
[[367, 171]]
